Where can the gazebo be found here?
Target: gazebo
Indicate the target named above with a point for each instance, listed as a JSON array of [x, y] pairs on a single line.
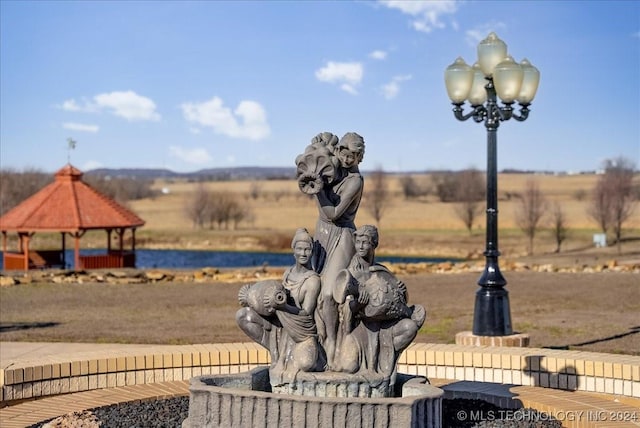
[[68, 206]]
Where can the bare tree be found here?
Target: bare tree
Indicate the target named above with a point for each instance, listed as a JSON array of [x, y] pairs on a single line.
[[220, 209], [197, 206], [470, 192], [445, 185], [378, 196], [613, 198], [559, 225], [411, 189], [217, 209], [532, 207], [16, 186], [240, 213], [225, 209]]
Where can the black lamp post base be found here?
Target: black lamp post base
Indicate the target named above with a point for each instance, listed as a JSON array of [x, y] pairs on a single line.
[[492, 314]]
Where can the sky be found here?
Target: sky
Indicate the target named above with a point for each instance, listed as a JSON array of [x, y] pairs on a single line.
[[193, 85]]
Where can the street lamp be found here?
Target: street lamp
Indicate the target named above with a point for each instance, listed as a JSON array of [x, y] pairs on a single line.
[[495, 75]]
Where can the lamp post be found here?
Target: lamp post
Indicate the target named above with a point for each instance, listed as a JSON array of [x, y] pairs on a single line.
[[495, 75]]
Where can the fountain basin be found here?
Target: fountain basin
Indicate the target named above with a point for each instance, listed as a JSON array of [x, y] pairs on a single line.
[[245, 399]]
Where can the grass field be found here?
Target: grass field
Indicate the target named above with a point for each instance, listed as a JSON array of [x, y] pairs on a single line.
[[417, 226], [594, 312]]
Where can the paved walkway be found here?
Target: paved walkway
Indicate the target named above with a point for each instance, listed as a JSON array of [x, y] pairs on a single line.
[[29, 350]]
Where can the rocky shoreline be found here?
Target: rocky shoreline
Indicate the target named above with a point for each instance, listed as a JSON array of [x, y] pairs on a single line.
[[212, 274]]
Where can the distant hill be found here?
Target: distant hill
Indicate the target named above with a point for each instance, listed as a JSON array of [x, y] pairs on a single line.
[[237, 173], [258, 173]]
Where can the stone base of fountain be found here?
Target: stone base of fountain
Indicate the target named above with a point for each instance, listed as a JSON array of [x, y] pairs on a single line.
[[247, 399], [332, 384]]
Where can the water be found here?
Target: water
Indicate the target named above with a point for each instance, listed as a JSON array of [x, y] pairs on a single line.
[[193, 259]]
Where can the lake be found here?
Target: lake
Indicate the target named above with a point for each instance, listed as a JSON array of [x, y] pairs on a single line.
[[194, 259]]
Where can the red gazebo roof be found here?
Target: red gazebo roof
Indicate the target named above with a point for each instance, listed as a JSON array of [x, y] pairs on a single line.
[[68, 205]]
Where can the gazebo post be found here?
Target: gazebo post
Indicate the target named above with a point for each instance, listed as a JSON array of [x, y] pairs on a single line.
[[133, 239], [108, 240], [25, 248], [64, 250], [121, 240], [121, 246], [76, 257], [4, 249]]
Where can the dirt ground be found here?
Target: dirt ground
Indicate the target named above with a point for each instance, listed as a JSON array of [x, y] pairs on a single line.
[[582, 311]]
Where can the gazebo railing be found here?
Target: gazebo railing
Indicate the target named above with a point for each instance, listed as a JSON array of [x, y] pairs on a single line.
[[44, 259], [113, 259], [41, 259]]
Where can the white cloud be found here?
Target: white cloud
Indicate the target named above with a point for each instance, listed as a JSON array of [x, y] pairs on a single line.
[[347, 74], [128, 105], [248, 120], [74, 106], [378, 54], [391, 89], [80, 127], [193, 156], [427, 14]]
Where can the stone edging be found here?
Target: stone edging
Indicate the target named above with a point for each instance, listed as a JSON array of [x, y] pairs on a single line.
[[612, 374], [209, 274]]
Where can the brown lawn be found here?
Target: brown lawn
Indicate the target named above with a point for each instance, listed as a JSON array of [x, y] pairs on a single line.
[[595, 312]]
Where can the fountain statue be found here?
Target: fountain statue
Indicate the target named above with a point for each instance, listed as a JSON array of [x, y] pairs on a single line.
[[337, 322]]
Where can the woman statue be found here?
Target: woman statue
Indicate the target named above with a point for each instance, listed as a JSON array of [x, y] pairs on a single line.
[[338, 201], [297, 314], [280, 316]]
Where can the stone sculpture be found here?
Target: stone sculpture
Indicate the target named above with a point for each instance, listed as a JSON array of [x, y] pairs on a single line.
[[377, 324], [336, 313], [337, 199], [280, 315], [334, 325]]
